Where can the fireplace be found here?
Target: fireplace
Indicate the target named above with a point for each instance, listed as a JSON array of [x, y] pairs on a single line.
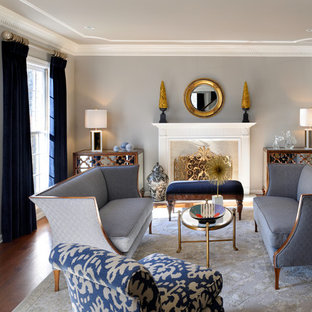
[[193, 166], [230, 139]]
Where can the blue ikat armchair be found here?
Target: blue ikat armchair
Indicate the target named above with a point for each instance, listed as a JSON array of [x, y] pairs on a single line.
[[99, 280]]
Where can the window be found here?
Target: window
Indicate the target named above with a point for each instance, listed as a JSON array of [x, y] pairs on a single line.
[[38, 89]]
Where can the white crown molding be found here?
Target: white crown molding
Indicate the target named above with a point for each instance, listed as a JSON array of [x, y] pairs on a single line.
[[34, 31], [160, 41], [194, 50], [38, 33]]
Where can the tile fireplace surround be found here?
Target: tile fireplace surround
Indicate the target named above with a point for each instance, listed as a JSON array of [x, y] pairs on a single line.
[[168, 133]]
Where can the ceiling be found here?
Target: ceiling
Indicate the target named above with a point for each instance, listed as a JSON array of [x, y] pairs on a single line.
[[172, 22]]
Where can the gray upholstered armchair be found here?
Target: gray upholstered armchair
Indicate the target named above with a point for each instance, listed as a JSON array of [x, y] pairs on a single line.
[[99, 280], [284, 216], [100, 207]]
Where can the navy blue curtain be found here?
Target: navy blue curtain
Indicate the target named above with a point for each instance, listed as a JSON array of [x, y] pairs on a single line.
[[58, 130], [18, 215]]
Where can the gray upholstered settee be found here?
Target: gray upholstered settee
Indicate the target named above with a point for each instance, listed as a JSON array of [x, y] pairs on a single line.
[[284, 216], [100, 207]]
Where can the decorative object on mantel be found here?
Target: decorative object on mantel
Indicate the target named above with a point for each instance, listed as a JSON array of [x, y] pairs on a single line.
[[163, 105], [116, 148], [157, 181], [306, 121], [219, 171], [245, 102], [203, 98], [96, 119]]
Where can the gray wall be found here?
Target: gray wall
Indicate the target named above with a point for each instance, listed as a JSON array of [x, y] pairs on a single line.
[[70, 72], [129, 88]]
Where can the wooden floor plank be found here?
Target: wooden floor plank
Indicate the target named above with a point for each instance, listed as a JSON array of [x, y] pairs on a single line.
[[24, 265]]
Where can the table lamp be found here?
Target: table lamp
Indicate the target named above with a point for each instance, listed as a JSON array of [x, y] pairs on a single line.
[[306, 121], [96, 119]]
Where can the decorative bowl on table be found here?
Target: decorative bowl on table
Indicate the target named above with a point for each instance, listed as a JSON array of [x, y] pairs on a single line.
[[195, 213]]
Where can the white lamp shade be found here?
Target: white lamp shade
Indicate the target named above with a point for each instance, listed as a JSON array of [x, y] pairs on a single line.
[[306, 117], [95, 118]]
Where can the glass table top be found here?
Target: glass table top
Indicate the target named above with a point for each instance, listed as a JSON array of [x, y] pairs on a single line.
[[194, 224]]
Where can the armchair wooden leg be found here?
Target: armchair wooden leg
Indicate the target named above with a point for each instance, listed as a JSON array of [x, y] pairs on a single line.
[[256, 227], [239, 208], [150, 228], [277, 273], [56, 280]]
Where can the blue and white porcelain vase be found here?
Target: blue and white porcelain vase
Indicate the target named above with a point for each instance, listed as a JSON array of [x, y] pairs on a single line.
[[157, 181], [129, 147], [123, 146]]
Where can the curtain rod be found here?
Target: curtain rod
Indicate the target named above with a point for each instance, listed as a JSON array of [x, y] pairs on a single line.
[[8, 36]]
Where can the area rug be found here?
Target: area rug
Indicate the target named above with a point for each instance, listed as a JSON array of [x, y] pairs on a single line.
[[248, 274]]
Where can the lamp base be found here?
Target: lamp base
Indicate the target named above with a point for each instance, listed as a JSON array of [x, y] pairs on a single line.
[[96, 140], [308, 138]]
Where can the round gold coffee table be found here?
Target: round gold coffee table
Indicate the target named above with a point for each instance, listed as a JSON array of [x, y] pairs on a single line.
[[191, 223]]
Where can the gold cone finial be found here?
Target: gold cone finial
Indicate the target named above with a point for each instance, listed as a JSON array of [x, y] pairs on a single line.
[[162, 97], [245, 98]]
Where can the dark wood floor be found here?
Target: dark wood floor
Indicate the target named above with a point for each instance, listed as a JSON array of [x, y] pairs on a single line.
[[23, 265]]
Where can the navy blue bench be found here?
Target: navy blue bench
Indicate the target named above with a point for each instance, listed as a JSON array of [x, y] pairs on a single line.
[[203, 189]]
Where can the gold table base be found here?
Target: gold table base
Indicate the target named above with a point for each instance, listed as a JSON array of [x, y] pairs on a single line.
[[207, 241]]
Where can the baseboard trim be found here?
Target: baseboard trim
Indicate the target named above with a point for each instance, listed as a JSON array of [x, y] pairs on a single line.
[[257, 192]]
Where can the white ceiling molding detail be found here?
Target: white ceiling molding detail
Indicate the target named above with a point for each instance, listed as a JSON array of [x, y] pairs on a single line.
[[172, 41], [38, 33], [195, 50], [31, 30], [63, 24]]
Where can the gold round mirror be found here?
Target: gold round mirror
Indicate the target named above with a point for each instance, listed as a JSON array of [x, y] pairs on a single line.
[[203, 97]]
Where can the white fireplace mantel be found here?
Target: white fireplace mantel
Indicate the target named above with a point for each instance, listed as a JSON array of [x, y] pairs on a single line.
[[238, 131]]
